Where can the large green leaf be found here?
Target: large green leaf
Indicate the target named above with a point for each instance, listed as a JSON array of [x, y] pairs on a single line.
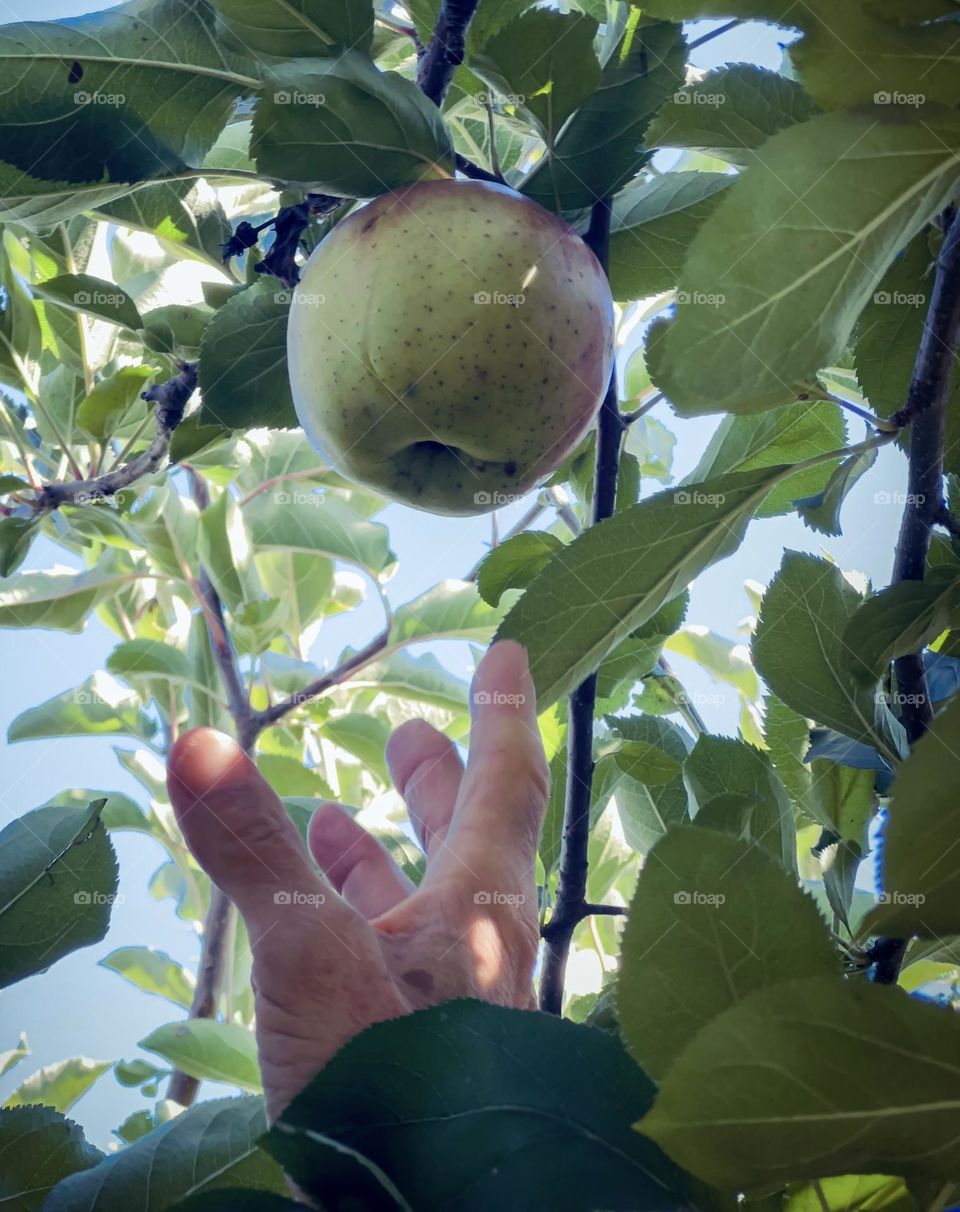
[[727, 766], [91, 296], [318, 524], [288, 28], [464, 1093], [450, 610], [765, 308], [790, 434], [712, 920], [542, 62], [210, 1146], [648, 810], [798, 647], [135, 92], [921, 841], [104, 406], [38, 205], [731, 112], [153, 972], [812, 1078], [58, 879], [601, 147], [205, 1049], [347, 128], [61, 599], [58, 1085], [38, 1148], [227, 552], [616, 575], [100, 707], [515, 563], [652, 226]]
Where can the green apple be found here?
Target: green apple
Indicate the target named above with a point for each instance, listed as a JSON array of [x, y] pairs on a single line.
[[449, 344]]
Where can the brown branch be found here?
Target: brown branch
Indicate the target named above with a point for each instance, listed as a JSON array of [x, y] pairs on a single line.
[[446, 50], [571, 904], [171, 398], [926, 412]]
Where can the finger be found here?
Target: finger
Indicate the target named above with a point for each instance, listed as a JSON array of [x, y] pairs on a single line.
[[355, 862], [496, 824], [236, 827], [427, 771]]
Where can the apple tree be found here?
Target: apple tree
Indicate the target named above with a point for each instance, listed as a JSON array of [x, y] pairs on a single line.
[[776, 914]]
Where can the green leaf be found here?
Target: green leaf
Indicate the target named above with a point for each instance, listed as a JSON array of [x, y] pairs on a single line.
[[91, 296], [290, 778], [16, 536], [303, 27], [58, 878], [184, 216], [765, 310], [136, 1073], [731, 112], [789, 434], [451, 610], [601, 147], [648, 810], [60, 599], [318, 525], [901, 619], [149, 659], [102, 408], [38, 205], [857, 1078], [98, 707], [843, 800], [721, 765], [921, 840], [212, 1145], [13, 1056], [821, 512], [645, 763], [788, 738], [713, 919], [725, 660], [339, 1176], [851, 1193], [153, 972], [243, 362], [543, 63], [58, 1085], [651, 228], [515, 563], [38, 1148], [419, 679], [208, 1050], [344, 127], [560, 1142], [365, 736], [614, 576], [227, 553], [137, 91], [798, 647]]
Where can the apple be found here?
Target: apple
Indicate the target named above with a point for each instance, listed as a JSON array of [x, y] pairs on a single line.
[[449, 344]]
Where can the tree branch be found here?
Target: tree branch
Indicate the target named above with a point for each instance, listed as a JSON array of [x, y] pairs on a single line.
[[446, 50], [926, 412], [571, 904], [171, 398]]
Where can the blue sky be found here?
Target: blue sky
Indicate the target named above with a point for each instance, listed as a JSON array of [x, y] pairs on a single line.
[[80, 1009]]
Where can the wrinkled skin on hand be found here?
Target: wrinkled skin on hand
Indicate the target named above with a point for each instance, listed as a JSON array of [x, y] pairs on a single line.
[[333, 955]]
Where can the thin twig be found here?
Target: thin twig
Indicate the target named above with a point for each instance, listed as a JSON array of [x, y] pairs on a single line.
[[171, 398], [714, 33], [469, 169], [571, 904], [926, 412]]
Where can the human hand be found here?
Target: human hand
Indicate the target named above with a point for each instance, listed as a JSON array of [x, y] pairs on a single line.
[[328, 963]]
